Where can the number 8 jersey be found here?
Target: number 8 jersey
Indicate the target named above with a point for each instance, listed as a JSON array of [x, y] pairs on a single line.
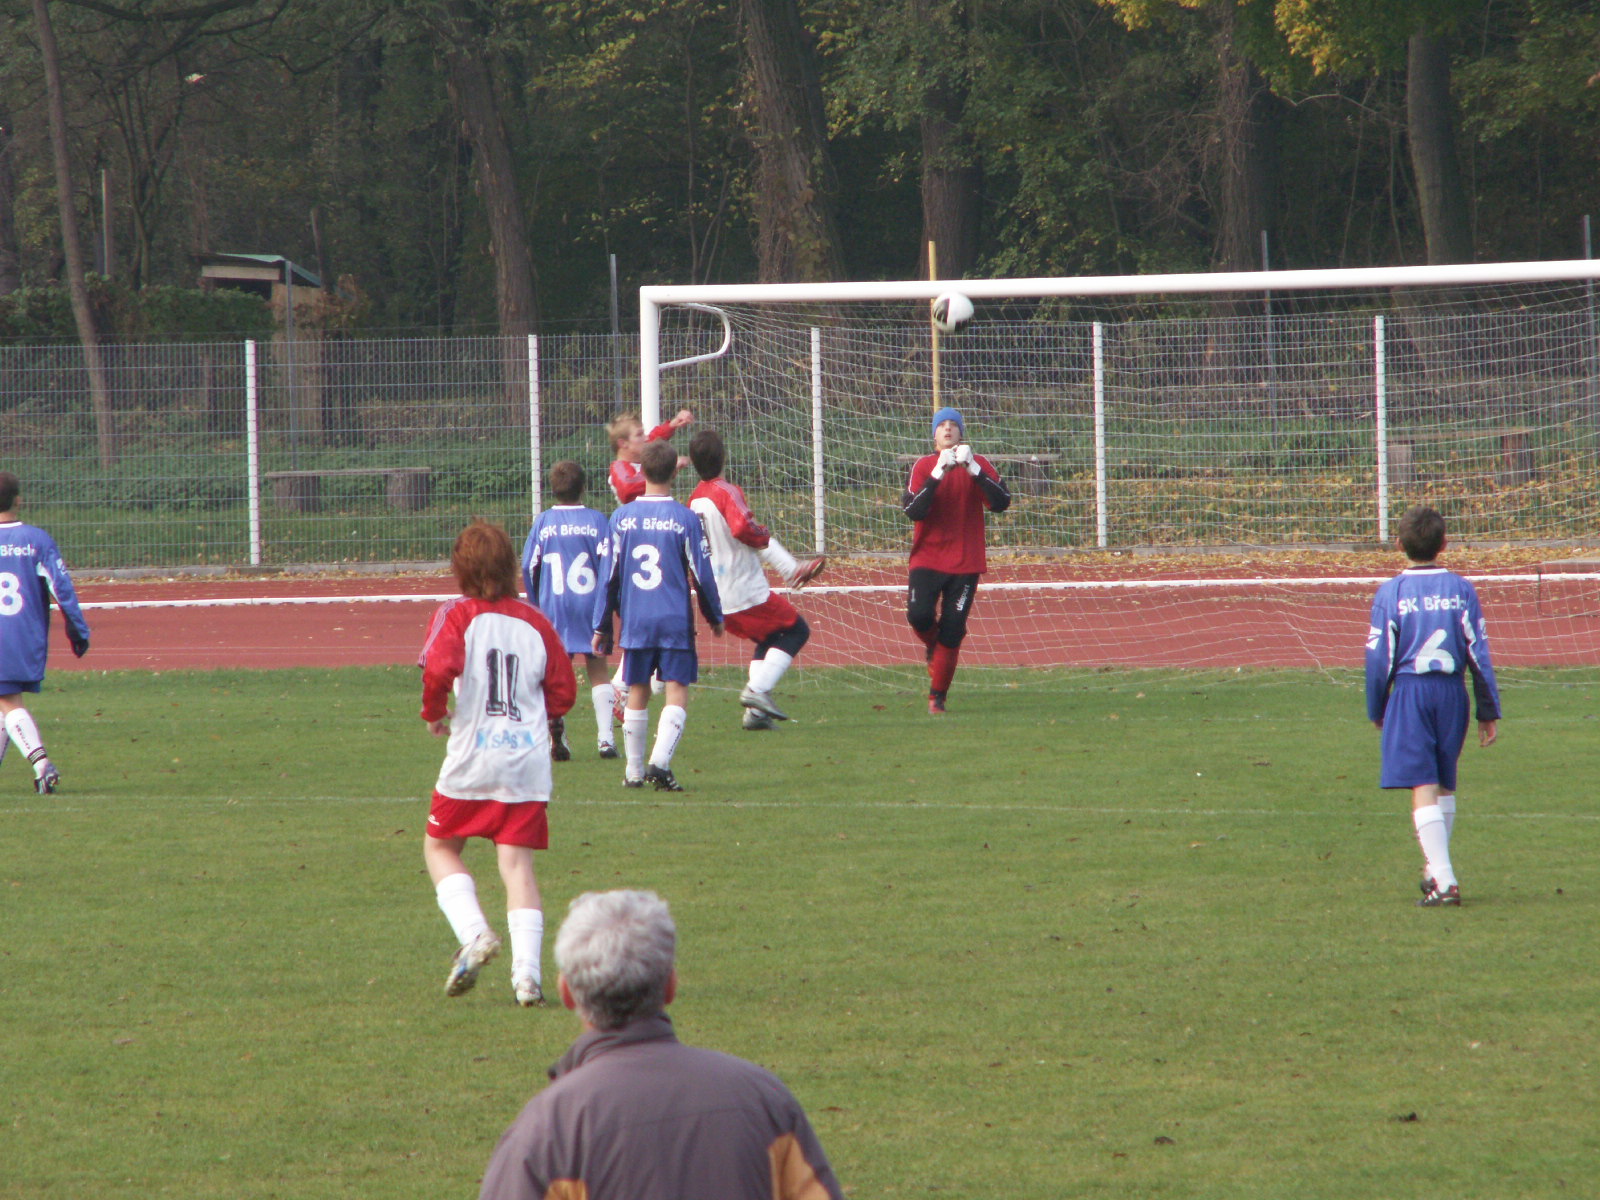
[[1427, 621], [510, 674], [31, 575]]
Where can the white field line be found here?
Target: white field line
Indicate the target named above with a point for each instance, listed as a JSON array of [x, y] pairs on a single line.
[[420, 802], [1078, 585]]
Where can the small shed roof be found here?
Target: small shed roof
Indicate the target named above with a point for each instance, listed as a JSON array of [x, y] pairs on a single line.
[[255, 268]]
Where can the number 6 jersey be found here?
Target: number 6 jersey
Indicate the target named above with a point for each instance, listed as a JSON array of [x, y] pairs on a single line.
[[1427, 621], [510, 674]]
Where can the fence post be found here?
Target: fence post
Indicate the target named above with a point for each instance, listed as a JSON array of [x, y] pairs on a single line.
[[1102, 523], [1380, 403], [818, 491], [535, 446], [252, 451]]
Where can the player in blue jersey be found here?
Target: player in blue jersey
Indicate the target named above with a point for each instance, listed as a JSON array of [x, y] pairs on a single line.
[[31, 575], [1427, 628], [564, 560], [656, 545]]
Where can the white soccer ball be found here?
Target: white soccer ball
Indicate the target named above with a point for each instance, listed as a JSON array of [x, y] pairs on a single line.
[[951, 311]]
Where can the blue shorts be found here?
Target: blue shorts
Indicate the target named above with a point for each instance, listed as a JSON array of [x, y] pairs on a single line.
[[10, 687], [1424, 728], [673, 666]]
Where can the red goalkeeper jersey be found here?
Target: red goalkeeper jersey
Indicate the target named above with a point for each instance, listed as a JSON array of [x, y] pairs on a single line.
[[949, 537]]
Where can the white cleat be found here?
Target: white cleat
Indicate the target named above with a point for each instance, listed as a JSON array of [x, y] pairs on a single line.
[[762, 702], [469, 960], [529, 993]]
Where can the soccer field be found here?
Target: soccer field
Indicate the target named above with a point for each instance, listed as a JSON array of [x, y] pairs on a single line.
[[1101, 935]]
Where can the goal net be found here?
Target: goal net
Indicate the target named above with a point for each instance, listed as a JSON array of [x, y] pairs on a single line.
[[1206, 469]]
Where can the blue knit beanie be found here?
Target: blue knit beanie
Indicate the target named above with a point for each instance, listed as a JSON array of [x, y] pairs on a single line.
[[948, 414]]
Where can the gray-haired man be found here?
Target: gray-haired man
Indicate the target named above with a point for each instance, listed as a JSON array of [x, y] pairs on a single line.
[[634, 1114]]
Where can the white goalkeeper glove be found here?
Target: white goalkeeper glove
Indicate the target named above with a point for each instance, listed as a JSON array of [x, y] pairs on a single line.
[[947, 459], [964, 458]]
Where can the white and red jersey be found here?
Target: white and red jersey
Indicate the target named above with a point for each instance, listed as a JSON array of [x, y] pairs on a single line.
[[510, 674], [735, 539], [627, 478]]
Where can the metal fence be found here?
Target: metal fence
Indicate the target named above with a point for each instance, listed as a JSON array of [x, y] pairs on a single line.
[[1222, 429]]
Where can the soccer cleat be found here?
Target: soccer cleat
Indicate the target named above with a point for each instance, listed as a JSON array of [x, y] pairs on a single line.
[[1449, 898], [529, 993], [809, 571], [935, 704], [629, 782], [762, 702], [48, 781], [663, 778], [559, 750], [754, 719], [608, 749], [1428, 886], [469, 960]]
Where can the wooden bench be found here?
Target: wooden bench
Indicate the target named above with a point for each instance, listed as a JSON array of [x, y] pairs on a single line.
[[407, 488], [1031, 476], [1516, 455]]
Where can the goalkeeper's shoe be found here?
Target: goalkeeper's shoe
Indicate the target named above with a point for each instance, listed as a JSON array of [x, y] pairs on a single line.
[[608, 749], [469, 960], [809, 571], [935, 703], [663, 778], [1432, 897], [762, 702], [48, 780], [559, 750], [756, 719]]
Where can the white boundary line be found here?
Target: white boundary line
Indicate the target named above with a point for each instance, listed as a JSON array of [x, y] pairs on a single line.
[[1041, 585]]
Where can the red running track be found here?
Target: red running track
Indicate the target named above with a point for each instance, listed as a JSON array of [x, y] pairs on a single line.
[[144, 625]]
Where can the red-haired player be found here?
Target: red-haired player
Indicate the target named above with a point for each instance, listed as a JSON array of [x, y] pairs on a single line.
[[511, 675]]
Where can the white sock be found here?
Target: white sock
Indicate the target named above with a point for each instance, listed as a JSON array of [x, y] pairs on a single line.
[[635, 737], [527, 941], [1435, 843], [21, 729], [780, 560], [767, 670], [458, 900], [603, 696], [669, 729], [1447, 806]]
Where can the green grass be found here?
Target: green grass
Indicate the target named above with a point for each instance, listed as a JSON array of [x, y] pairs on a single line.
[[1109, 936]]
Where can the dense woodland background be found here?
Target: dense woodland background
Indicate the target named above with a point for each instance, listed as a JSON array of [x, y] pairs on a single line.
[[471, 165]]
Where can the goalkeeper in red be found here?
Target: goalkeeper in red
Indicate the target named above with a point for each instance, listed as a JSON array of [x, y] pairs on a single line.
[[949, 492], [1427, 629]]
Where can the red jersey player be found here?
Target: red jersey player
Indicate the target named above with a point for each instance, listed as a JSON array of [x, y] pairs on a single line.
[[741, 549], [628, 439], [511, 675], [947, 496]]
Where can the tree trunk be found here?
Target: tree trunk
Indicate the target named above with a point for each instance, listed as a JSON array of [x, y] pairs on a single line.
[[797, 240], [1246, 156], [1431, 125], [71, 247], [472, 93], [952, 178], [10, 252]]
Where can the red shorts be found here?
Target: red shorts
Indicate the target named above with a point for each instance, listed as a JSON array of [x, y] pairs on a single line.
[[772, 615], [525, 824]]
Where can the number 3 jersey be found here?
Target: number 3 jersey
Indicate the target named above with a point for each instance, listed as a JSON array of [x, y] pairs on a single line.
[[31, 575], [510, 674], [566, 557], [1427, 621], [657, 545]]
